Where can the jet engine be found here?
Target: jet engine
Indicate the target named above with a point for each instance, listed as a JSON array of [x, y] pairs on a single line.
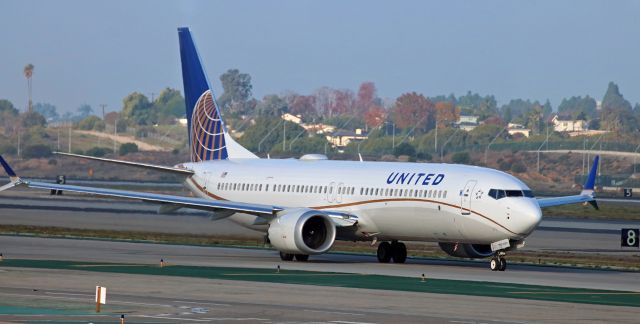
[[467, 250], [302, 231]]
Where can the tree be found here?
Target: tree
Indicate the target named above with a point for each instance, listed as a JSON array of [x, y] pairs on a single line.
[[91, 123], [33, 119], [474, 104], [84, 111], [7, 106], [575, 106], [272, 105], [28, 74], [137, 109], [413, 109], [169, 105], [237, 90], [47, 110], [446, 113], [375, 116], [36, 151], [304, 106], [614, 99], [343, 103], [366, 98]]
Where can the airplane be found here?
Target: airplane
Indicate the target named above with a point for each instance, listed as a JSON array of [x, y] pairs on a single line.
[[304, 205]]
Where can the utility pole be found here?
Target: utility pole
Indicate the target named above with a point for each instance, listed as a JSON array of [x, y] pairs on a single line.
[[19, 131], [69, 138], [58, 146], [284, 136], [103, 106], [115, 134]]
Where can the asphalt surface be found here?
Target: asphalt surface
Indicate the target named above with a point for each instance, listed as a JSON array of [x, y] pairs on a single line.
[[147, 299]]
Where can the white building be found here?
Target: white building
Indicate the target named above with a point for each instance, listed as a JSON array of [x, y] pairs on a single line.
[[566, 124], [467, 122], [514, 128]]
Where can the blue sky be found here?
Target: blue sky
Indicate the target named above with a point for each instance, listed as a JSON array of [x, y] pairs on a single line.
[[99, 51]]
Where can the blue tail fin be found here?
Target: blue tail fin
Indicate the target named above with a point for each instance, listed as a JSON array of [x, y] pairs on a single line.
[[206, 129]]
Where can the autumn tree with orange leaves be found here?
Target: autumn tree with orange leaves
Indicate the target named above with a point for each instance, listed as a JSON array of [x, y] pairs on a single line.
[[414, 110], [374, 117], [446, 113]]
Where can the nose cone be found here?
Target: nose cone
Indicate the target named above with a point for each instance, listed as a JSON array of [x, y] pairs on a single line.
[[528, 216]]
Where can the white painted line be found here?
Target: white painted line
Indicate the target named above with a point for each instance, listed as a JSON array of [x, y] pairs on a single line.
[[172, 318], [199, 303], [332, 312], [345, 322], [235, 319]]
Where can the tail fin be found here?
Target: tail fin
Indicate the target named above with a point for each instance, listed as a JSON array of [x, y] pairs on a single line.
[[208, 138]]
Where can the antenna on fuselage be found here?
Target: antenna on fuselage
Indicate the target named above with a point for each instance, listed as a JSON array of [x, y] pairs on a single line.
[[360, 155]]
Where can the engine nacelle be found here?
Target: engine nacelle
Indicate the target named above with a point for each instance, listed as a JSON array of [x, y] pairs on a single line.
[[302, 231], [467, 250]]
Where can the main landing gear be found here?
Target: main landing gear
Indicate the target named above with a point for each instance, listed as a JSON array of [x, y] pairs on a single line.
[[394, 250], [498, 262], [290, 256]]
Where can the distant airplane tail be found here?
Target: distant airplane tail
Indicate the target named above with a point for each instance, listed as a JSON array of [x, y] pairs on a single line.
[[208, 138]]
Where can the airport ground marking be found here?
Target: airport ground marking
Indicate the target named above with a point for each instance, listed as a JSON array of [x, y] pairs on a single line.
[[346, 280]]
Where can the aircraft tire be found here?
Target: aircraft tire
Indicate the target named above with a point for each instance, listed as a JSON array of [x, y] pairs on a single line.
[[399, 252], [494, 264], [503, 264], [384, 252], [286, 256]]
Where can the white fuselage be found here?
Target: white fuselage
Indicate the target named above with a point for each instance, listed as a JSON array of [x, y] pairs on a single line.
[[393, 201]]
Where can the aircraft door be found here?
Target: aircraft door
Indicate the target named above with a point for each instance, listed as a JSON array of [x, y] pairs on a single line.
[[340, 191], [331, 193], [465, 197]]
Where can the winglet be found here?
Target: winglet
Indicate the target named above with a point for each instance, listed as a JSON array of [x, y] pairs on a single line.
[[15, 180], [589, 185], [591, 180], [8, 170]]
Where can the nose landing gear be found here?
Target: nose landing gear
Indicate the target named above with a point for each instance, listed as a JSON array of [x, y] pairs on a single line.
[[498, 262]]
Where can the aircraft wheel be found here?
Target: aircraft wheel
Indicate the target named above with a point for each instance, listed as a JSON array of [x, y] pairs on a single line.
[[302, 257], [399, 252], [494, 264], [286, 256], [503, 264], [384, 252]]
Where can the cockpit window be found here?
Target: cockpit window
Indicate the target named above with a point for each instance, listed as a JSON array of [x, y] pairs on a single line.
[[499, 193], [514, 193], [496, 193]]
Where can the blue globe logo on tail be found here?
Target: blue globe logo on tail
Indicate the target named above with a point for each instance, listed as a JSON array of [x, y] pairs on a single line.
[[207, 131]]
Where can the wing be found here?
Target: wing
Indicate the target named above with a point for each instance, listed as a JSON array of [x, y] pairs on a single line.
[[223, 208], [586, 196], [160, 168]]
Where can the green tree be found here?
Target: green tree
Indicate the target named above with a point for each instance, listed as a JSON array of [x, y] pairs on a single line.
[[237, 90], [404, 149], [169, 105], [475, 104], [7, 106], [614, 99], [47, 110], [575, 106], [91, 123], [36, 151], [33, 119], [84, 111], [98, 151], [137, 109], [272, 105]]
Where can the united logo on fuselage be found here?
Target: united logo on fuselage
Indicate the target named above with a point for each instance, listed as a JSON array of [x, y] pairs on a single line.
[[413, 178]]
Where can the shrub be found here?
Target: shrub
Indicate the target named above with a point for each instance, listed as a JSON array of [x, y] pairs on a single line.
[[127, 148], [36, 151], [8, 149], [518, 167], [461, 158], [405, 149], [97, 151]]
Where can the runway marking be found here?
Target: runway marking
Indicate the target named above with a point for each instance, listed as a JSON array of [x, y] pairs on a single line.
[[110, 265], [293, 274], [346, 322], [173, 318], [573, 293], [332, 312], [84, 299], [200, 303], [235, 319]]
